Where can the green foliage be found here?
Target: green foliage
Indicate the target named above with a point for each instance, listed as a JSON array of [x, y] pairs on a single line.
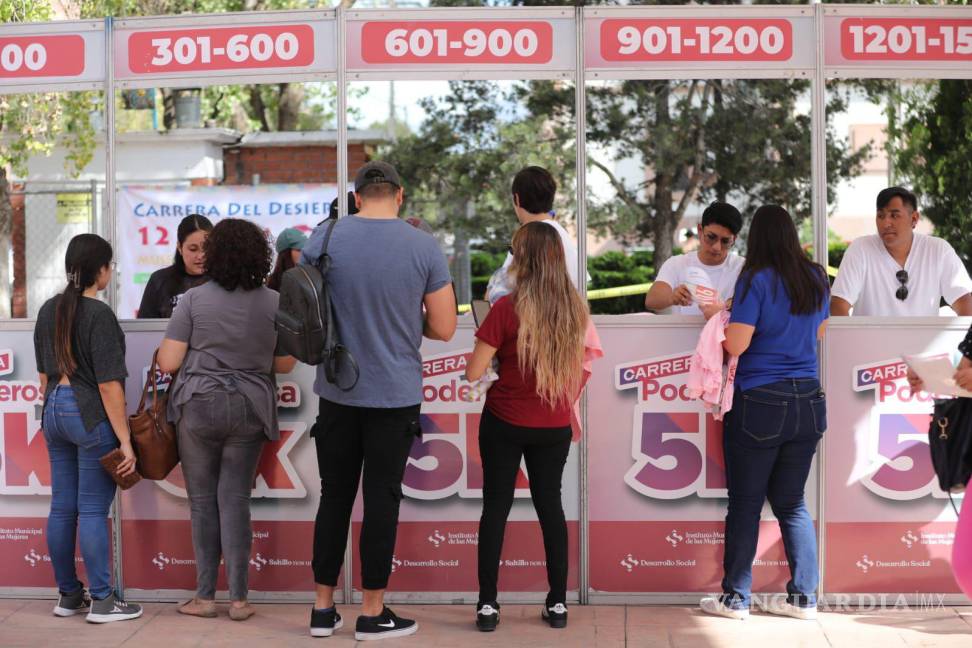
[[461, 161], [934, 156]]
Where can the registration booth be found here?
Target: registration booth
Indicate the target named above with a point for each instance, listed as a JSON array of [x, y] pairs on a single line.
[[644, 488]]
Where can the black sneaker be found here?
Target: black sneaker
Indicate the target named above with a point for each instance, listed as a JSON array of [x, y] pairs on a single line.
[[71, 604], [325, 622], [555, 615], [111, 609], [487, 616], [384, 626]]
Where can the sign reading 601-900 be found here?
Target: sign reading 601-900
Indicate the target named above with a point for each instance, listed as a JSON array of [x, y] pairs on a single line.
[[467, 41], [291, 42]]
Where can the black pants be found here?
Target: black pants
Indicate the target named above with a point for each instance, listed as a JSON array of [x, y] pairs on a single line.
[[350, 439], [501, 446]]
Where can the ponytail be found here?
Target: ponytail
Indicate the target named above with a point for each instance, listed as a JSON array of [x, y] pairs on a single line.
[[86, 256]]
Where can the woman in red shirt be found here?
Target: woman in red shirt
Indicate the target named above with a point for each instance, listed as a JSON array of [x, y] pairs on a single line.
[[537, 334]]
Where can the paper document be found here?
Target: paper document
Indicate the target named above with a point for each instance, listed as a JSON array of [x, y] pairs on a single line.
[[937, 373]]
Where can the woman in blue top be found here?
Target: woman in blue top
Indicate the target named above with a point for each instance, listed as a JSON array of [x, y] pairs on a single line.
[[778, 415]]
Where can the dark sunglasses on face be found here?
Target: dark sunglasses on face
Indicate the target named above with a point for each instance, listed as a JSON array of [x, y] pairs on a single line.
[[902, 292], [711, 238]]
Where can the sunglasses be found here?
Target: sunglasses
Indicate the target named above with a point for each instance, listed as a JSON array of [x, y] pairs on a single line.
[[902, 292], [711, 238]]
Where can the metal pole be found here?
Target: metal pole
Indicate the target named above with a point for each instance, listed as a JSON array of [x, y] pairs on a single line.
[[109, 199], [111, 230], [580, 124], [342, 180], [818, 178], [342, 113]]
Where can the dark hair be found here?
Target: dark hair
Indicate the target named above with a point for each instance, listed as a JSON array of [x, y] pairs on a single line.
[[721, 213], [87, 255], [535, 188], [773, 244], [238, 255], [187, 227], [378, 190], [908, 198], [285, 261]]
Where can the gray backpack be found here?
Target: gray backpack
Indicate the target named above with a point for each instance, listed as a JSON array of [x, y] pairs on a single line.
[[305, 320]]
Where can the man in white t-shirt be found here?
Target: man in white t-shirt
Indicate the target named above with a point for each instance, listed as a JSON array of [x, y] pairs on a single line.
[[705, 276], [533, 196], [899, 272]]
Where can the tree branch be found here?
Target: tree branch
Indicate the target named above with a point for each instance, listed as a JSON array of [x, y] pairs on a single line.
[[698, 175], [619, 187]]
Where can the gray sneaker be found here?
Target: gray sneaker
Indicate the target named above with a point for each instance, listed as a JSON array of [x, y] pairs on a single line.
[[71, 604], [112, 609]]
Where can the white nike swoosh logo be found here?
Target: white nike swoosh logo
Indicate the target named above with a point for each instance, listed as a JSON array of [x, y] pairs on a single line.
[[390, 624]]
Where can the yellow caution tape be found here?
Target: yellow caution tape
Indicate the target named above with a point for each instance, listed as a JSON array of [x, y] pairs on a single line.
[[624, 291]]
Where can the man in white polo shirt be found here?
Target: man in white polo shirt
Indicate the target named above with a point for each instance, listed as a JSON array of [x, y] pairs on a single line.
[[899, 272], [705, 276]]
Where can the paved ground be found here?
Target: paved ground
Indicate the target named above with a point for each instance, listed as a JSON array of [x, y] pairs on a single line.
[[31, 624]]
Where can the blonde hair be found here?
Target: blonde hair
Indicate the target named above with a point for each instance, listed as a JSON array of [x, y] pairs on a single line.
[[553, 317]]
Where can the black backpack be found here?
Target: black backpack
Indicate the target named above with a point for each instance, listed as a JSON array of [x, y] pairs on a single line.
[[305, 320], [950, 439]]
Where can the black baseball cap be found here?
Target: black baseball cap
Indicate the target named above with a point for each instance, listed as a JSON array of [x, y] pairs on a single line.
[[376, 173]]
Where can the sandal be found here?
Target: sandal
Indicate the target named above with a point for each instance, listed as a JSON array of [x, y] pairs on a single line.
[[198, 608], [241, 612]]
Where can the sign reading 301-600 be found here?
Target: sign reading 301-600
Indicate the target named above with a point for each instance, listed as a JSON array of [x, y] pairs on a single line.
[[224, 46]]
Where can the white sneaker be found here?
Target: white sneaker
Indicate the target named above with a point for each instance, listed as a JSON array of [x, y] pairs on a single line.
[[780, 606], [714, 605]]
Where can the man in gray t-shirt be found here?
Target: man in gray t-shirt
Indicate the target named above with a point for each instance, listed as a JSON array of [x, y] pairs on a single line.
[[389, 284]]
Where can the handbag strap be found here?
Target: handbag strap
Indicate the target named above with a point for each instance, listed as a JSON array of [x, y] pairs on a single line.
[[150, 382], [153, 382]]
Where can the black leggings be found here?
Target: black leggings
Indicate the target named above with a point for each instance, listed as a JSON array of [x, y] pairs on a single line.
[[501, 446], [352, 440]]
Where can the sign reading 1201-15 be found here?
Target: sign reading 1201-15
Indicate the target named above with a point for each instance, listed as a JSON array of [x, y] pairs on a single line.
[[479, 42], [696, 40], [906, 39]]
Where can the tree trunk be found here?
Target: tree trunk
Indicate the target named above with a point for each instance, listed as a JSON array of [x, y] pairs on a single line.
[[258, 110], [663, 224], [288, 106], [6, 226]]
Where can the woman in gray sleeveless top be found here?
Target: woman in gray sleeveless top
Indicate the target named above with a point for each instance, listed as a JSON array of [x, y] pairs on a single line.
[[222, 340]]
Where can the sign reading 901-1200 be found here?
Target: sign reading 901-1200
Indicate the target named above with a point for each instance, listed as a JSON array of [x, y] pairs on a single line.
[[691, 39], [221, 48], [901, 39]]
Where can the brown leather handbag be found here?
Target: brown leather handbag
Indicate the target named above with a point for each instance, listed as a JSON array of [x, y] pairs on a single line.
[[153, 437]]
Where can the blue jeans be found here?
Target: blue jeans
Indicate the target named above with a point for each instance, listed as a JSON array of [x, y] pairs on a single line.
[[81, 493], [769, 439]]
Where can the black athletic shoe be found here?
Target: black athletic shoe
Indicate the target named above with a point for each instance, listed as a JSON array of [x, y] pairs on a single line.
[[384, 626], [487, 616], [71, 604], [325, 622], [112, 609], [555, 615]]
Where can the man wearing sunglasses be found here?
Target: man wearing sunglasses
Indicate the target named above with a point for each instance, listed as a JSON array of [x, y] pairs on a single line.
[[899, 272], [707, 274]]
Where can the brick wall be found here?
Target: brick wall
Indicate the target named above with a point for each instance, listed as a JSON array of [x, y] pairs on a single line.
[[18, 240], [288, 164]]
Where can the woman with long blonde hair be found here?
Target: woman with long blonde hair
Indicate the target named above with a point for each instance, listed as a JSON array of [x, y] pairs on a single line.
[[537, 334]]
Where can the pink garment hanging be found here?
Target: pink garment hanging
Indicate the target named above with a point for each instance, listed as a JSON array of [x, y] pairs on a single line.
[[592, 351], [706, 380]]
